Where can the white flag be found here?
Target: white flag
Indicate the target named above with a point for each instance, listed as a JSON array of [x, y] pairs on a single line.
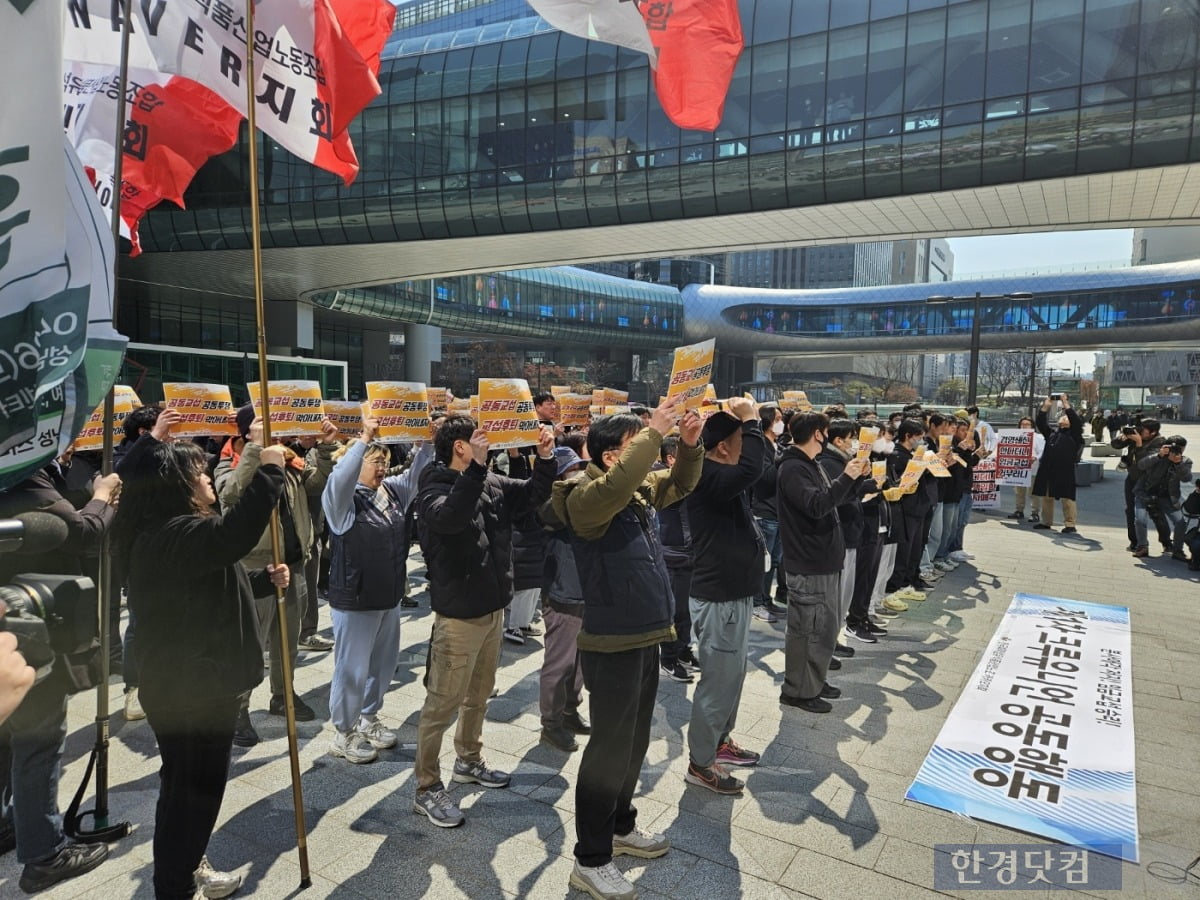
[[611, 21]]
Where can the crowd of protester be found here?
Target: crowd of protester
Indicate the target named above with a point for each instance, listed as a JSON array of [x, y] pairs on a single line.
[[649, 541]]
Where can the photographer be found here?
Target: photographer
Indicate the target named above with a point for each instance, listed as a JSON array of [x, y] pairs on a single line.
[[1056, 474], [16, 676], [38, 727], [1158, 491], [1137, 442]]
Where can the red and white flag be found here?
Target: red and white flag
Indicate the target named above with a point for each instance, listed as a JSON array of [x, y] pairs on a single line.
[[693, 46], [609, 21], [312, 76]]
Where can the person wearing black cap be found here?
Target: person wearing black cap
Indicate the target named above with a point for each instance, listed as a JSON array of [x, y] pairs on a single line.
[[813, 551], [728, 552]]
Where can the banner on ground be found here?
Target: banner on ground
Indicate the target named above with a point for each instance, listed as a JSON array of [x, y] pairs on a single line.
[[984, 493], [574, 409], [91, 437], [691, 371], [296, 407], [1041, 739], [506, 412], [206, 410], [1014, 457], [402, 410], [347, 415]]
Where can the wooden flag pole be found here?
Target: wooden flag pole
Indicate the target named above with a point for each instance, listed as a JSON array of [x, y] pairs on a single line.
[[107, 591], [285, 644]]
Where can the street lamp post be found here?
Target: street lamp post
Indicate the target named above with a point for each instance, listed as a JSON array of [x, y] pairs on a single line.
[[973, 365], [537, 359]]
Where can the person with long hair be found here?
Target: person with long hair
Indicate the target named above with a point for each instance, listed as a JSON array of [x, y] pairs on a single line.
[[198, 643]]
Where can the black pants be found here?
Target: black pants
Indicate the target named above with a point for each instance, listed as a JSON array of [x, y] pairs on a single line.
[[1161, 525], [622, 688], [194, 743], [681, 586], [866, 567], [908, 551]]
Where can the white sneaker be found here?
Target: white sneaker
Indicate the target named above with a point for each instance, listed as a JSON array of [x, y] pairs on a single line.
[[212, 884], [133, 706], [602, 882], [962, 555], [640, 843], [931, 574], [352, 746], [945, 565], [381, 738]]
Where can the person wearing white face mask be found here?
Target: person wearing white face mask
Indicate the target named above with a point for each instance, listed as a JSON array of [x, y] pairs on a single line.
[[881, 601], [762, 505]]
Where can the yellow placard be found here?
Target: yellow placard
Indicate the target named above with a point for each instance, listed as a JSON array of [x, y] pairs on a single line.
[[557, 390], [437, 399], [474, 407], [936, 466], [296, 407], [710, 393], [91, 436], [573, 409], [205, 409], [402, 410], [613, 397], [911, 475], [691, 371], [506, 412], [616, 409], [866, 438], [879, 469], [460, 405], [347, 416]]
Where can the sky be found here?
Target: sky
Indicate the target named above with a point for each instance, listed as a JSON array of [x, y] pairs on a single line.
[[1015, 253]]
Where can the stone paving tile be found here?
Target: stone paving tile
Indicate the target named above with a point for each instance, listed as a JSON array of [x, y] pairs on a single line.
[[823, 816]]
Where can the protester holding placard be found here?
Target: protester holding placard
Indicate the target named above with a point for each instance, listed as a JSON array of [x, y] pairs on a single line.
[[909, 514], [762, 505], [368, 573], [302, 484], [1022, 492], [627, 614], [465, 515], [966, 449], [677, 659]]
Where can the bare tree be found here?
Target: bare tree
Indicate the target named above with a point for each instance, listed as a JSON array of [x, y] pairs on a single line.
[[1000, 371], [892, 372]]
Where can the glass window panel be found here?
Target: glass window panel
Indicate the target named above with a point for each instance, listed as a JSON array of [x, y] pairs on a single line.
[[1168, 36], [735, 118], [1162, 130], [882, 9], [1109, 28], [1057, 45], [600, 195], [1008, 47], [848, 12], [696, 189], [429, 77], [1108, 92], [514, 208], [922, 160], [1104, 137], [633, 203], [806, 176], [732, 180], [806, 82], [511, 71], [768, 181], [966, 31], [1003, 150], [961, 156], [1050, 142], [542, 58], [844, 172], [771, 21], [631, 119], [885, 79], [662, 187], [881, 166], [926, 60], [810, 16], [847, 76], [484, 60]]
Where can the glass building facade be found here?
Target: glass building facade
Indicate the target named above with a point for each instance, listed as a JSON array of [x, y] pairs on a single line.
[[513, 127]]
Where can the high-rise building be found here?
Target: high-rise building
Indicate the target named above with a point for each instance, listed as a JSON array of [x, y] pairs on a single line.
[[1164, 245], [843, 265]]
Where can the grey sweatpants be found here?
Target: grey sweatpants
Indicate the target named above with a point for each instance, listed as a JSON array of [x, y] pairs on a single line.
[[812, 629], [722, 642]]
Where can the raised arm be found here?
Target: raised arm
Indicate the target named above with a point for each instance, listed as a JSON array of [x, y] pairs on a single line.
[[405, 484]]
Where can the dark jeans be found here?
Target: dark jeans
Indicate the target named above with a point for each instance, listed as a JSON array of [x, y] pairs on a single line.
[[774, 542], [681, 585], [622, 688], [132, 669], [312, 572], [194, 743], [36, 732], [908, 551], [866, 566]]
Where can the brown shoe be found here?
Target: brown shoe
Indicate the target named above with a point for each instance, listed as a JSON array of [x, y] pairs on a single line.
[[1140, 552]]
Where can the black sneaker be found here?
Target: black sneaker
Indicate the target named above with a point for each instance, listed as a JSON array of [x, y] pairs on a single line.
[[715, 778], [1132, 547], [244, 734], [575, 721], [304, 712], [1070, 529], [920, 584], [876, 628], [862, 633], [409, 603], [1017, 515], [687, 659], [813, 704], [559, 738], [677, 673], [71, 861], [843, 650], [1041, 526], [834, 664], [829, 692]]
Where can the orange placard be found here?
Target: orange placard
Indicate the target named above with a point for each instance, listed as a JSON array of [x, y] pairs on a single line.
[[91, 436], [866, 438], [296, 407], [347, 416], [205, 409], [691, 371], [506, 412], [437, 399], [557, 390], [574, 409], [402, 409]]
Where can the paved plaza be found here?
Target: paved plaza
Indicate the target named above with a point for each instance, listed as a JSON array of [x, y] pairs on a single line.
[[824, 815]]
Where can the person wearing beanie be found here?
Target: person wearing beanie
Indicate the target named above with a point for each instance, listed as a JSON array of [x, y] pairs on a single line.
[[729, 560]]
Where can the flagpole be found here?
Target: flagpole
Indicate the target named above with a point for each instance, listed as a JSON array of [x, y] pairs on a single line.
[[104, 590], [285, 644]]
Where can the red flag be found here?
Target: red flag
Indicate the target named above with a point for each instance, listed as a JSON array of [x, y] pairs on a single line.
[[698, 43]]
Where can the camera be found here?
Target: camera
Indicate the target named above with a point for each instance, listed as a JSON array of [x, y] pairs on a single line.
[[1175, 448], [1128, 429]]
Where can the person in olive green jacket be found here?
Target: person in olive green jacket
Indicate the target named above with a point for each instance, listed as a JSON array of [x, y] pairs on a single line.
[[628, 612]]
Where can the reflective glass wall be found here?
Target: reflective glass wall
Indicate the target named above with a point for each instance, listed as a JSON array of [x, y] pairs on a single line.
[[514, 127]]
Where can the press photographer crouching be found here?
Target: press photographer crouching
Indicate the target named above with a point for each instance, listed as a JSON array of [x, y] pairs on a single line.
[[34, 734], [1158, 493]]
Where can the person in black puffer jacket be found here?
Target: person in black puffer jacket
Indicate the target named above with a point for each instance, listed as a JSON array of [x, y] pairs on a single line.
[[198, 643], [465, 519]]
